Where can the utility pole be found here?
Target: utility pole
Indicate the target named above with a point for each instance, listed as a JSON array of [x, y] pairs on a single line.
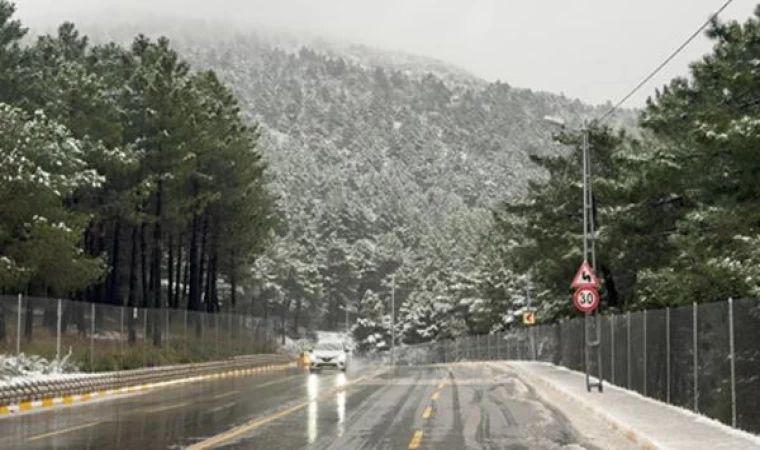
[[531, 334], [589, 249]]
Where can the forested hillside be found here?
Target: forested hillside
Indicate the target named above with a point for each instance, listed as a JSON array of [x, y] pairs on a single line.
[[127, 177], [385, 165], [677, 208]]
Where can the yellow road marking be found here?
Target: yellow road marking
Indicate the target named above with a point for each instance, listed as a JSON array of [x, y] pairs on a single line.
[[67, 400], [48, 402], [414, 444], [427, 413], [4, 410], [243, 429], [165, 408], [65, 430], [226, 394], [442, 385], [435, 396], [85, 397], [236, 432], [25, 406]]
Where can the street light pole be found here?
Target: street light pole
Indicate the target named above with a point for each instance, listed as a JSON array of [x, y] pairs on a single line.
[[393, 319], [589, 248]]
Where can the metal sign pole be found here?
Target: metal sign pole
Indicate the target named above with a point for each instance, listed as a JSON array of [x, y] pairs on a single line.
[[590, 235]]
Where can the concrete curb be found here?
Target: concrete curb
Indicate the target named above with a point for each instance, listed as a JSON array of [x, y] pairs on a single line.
[[630, 434], [35, 395]]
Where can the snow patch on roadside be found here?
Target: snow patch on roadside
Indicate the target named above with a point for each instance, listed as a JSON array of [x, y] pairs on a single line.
[[17, 370], [698, 418]]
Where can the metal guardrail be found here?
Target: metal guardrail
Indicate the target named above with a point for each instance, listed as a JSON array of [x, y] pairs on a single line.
[[78, 384]]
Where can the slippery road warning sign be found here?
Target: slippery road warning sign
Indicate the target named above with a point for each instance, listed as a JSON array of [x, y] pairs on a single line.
[[585, 277], [529, 318], [586, 299]]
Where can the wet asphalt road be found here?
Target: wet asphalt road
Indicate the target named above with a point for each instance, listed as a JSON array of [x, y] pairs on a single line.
[[466, 406]]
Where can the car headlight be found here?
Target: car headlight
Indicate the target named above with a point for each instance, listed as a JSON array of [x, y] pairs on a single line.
[[342, 357]]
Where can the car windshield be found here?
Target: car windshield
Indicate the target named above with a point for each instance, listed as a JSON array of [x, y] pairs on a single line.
[[329, 346]]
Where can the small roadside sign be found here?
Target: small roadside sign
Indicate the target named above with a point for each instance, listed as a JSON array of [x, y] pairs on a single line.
[[586, 299], [529, 318], [585, 277]]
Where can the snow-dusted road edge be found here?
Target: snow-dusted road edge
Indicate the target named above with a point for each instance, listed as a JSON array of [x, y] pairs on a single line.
[[650, 423], [22, 396]]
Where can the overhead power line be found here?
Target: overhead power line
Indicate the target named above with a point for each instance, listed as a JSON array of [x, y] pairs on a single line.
[[666, 62]]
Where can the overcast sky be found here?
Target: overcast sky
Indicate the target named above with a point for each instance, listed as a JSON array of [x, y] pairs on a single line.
[[595, 50]]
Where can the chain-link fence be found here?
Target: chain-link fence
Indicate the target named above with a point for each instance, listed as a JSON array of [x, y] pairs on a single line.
[[105, 337], [702, 357]]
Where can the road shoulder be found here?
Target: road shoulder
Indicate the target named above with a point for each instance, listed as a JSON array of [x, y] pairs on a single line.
[[595, 431], [652, 424]]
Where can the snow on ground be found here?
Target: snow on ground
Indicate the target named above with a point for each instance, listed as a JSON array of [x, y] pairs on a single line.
[[23, 368], [665, 426]]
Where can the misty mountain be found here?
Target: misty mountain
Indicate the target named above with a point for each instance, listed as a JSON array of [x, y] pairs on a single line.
[[382, 160]]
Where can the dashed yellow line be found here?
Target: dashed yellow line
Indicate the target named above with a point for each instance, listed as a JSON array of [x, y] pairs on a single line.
[[414, 444], [442, 385], [63, 431], [427, 413], [435, 396], [246, 428]]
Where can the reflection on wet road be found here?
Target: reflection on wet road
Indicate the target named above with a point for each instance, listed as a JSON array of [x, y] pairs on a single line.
[[467, 406]]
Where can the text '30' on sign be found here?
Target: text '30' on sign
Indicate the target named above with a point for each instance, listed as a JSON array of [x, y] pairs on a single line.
[[586, 299]]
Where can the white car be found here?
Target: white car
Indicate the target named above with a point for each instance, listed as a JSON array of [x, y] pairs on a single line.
[[328, 354]]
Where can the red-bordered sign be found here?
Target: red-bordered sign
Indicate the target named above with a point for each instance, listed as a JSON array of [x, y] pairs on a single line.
[[586, 299], [585, 277]]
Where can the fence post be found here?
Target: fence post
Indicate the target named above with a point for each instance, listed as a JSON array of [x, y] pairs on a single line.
[[166, 330], [92, 336], [612, 348], [667, 353], [58, 332], [696, 356], [733, 360], [628, 349], [240, 336], [645, 352], [184, 333], [145, 337], [18, 325], [519, 353], [121, 335], [216, 334]]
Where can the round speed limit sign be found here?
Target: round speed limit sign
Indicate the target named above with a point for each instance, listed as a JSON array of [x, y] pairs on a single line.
[[586, 299]]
